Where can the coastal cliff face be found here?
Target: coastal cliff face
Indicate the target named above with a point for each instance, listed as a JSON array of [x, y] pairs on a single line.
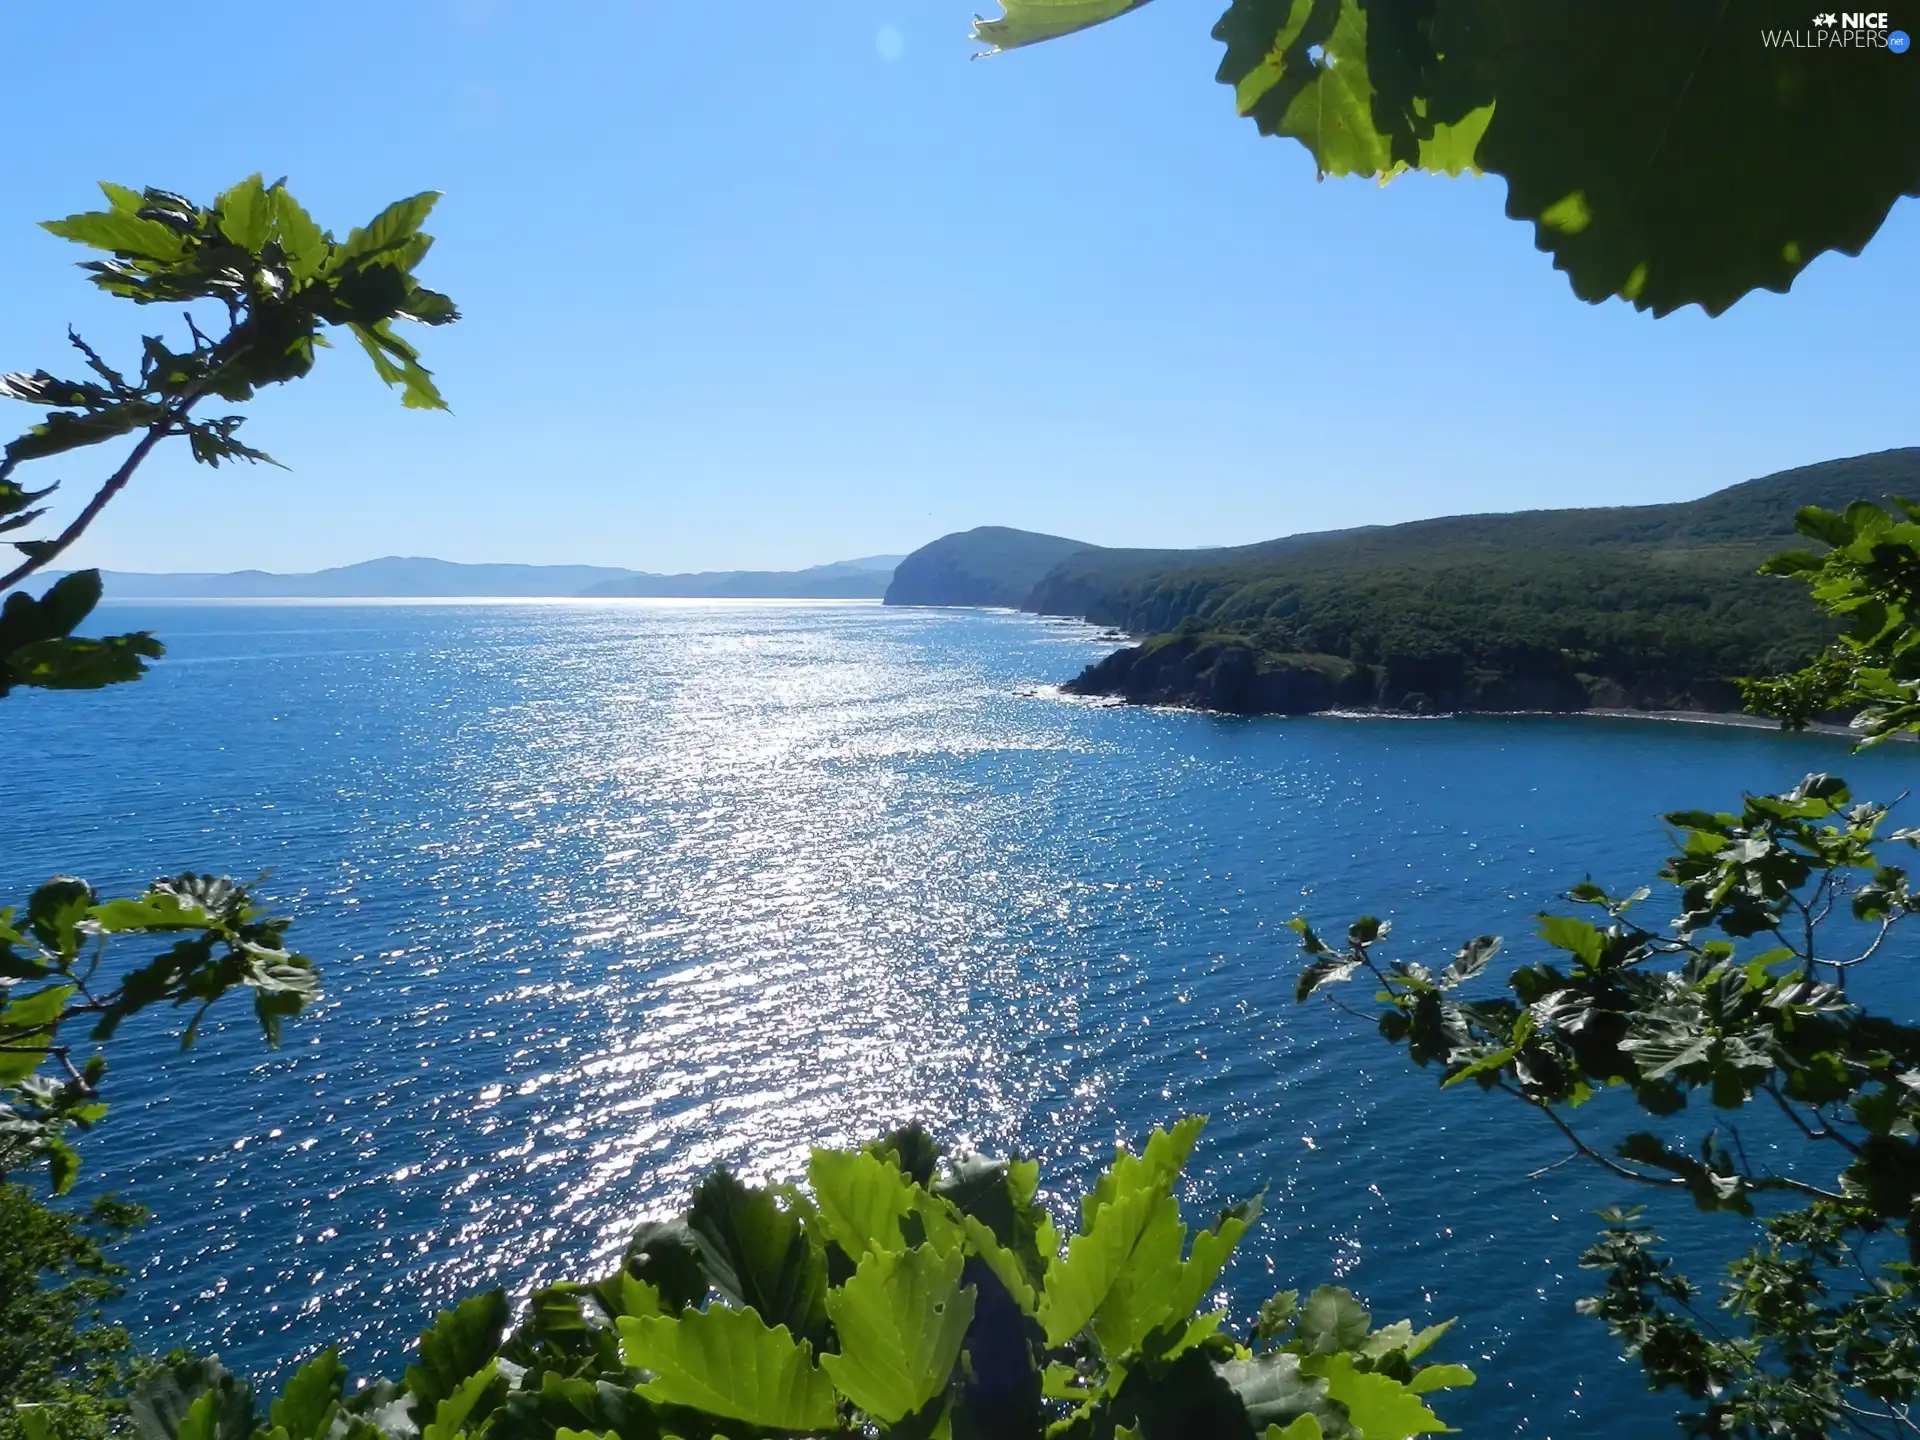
[[1231, 674]]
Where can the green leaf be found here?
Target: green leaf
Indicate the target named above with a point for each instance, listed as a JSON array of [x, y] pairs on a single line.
[[1273, 1390], [1577, 937], [416, 382], [1305, 69], [246, 214], [63, 1165], [158, 909], [166, 1394], [121, 233], [1332, 1321], [391, 229], [311, 1399], [201, 1422], [1470, 959], [63, 430], [33, 1420], [757, 1255], [451, 1414], [1027, 22], [460, 1342], [304, 244], [1439, 1377], [862, 1200], [122, 199], [1380, 1407], [1326, 970], [900, 1317], [1124, 1265], [26, 1030], [664, 1255], [729, 1363], [1006, 1266]]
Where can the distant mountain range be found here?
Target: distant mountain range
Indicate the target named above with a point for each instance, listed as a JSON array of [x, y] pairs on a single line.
[[416, 577], [1648, 606]]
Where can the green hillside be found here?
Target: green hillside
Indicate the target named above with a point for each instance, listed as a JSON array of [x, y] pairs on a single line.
[[1654, 606], [991, 565]]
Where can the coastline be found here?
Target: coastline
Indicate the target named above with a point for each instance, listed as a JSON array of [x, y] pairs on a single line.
[[1737, 720]]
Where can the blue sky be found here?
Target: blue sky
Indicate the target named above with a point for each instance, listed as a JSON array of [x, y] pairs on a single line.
[[763, 286]]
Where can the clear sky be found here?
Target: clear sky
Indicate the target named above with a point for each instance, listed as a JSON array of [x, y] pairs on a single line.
[[765, 285]]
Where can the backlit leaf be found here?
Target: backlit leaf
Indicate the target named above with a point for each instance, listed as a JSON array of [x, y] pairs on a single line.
[[900, 1317], [728, 1362]]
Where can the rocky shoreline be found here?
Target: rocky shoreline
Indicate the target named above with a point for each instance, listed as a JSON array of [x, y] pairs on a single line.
[[1230, 675]]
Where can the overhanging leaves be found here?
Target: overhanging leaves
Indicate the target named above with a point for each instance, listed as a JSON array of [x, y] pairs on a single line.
[[900, 1318], [729, 1363]]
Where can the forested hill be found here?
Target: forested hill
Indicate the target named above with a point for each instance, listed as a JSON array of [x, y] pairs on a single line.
[[1654, 607], [1650, 605], [992, 565]]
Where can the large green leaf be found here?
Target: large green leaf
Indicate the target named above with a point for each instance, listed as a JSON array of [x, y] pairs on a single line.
[[1667, 155], [663, 1254], [1124, 1274], [391, 229], [305, 245], [1273, 1390], [168, 1394], [246, 214], [1302, 68], [1332, 1321], [862, 1200], [758, 1255], [121, 233], [901, 1317], [729, 1363], [311, 1399], [451, 1414], [1380, 1407], [461, 1341], [27, 1029], [1027, 22], [1664, 150]]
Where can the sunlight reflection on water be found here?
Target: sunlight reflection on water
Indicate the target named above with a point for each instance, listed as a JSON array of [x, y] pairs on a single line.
[[607, 895]]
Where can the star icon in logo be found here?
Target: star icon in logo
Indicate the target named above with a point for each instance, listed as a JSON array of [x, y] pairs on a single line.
[[1829, 18]]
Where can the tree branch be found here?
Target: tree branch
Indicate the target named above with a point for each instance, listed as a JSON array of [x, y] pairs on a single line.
[[116, 482]]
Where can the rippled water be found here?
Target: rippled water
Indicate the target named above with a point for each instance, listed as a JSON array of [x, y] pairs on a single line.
[[608, 894]]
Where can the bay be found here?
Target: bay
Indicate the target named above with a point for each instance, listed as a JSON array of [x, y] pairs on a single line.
[[608, 894]]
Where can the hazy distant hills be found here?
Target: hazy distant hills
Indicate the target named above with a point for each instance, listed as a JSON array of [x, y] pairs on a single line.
[[417, 577], [863, 579], [1655, 606]]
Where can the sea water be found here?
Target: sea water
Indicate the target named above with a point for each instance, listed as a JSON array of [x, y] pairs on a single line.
[[608, 894]]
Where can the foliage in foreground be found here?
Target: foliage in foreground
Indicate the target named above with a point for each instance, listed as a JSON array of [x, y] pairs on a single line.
[[256, 257], [1869, 579], [1663, 150], [902, 1292], [55, 1342], [1741, 1000]]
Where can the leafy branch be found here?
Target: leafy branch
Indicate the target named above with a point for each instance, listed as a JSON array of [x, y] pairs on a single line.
[[281, 282], [1739, 997]]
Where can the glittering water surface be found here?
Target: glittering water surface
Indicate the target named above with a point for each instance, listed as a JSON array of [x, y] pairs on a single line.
[[606, 895]]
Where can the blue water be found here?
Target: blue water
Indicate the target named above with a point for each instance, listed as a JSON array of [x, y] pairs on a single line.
[[608, 894]]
